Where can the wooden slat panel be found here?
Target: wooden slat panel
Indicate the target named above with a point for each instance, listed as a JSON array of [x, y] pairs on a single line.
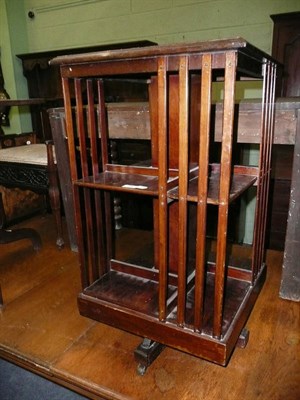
[[84, 168], [267, 131], [103, 133], [74, 175], [98, 255], [91, 127], [225, 173], [103, 125], [271, 71], [162, 184], [205, 110], [80, 128], [183, 185]]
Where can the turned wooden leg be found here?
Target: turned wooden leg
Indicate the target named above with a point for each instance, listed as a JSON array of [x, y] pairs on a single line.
[[54, 194]]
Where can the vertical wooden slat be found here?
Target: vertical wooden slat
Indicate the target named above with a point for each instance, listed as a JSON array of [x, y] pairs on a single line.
[[261, 177], [70, 128], [103, 133], [183, 187], [265, 170], [103, 124], [91, 122], [225, 181], [84, 159], [267, 131], [83, 261], [162, 184], [81, 129], [270, 133], [205, 114], [153, 112], [99, 245]]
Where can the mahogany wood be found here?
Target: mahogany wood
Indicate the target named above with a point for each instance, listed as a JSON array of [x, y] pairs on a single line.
[[225, 181], [162, 189], [178, 299], [205, 115]]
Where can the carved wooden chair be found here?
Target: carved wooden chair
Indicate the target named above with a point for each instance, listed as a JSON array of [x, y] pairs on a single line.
[[33, 168]]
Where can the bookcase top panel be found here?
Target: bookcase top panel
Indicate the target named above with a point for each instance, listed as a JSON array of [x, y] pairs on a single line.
[[236, 44]]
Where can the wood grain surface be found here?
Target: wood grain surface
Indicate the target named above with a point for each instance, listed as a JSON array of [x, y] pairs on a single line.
[[41, 329]]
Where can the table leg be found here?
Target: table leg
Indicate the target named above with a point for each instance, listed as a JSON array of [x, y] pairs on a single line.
[[54, 194]]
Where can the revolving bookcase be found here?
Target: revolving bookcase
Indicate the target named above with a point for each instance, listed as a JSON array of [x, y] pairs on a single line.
[[179, 284]]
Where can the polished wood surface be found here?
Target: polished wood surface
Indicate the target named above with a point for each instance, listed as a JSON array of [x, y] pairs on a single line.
[[162, 307], [41, 329]]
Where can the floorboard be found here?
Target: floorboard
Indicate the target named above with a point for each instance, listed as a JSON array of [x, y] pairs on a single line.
[[41, 330]]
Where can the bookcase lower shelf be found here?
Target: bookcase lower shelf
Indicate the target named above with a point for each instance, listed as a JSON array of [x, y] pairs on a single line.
[[117, 295]]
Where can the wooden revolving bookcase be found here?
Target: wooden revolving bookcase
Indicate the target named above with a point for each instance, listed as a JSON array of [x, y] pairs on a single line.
[[176, 285]]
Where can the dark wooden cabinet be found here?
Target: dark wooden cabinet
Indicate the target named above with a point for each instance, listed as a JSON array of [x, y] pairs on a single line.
[[290, 283], [285, 49], [174, 285]]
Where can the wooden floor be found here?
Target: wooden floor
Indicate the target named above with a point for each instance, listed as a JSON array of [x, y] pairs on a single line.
[[40, 329]]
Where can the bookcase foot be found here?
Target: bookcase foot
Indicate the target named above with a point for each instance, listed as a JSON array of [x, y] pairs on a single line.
[[243, 338], [146, 353]]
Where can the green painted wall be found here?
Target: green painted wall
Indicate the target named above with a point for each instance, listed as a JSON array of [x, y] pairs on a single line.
[[66, 23], [59, 24], [13, 40]]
